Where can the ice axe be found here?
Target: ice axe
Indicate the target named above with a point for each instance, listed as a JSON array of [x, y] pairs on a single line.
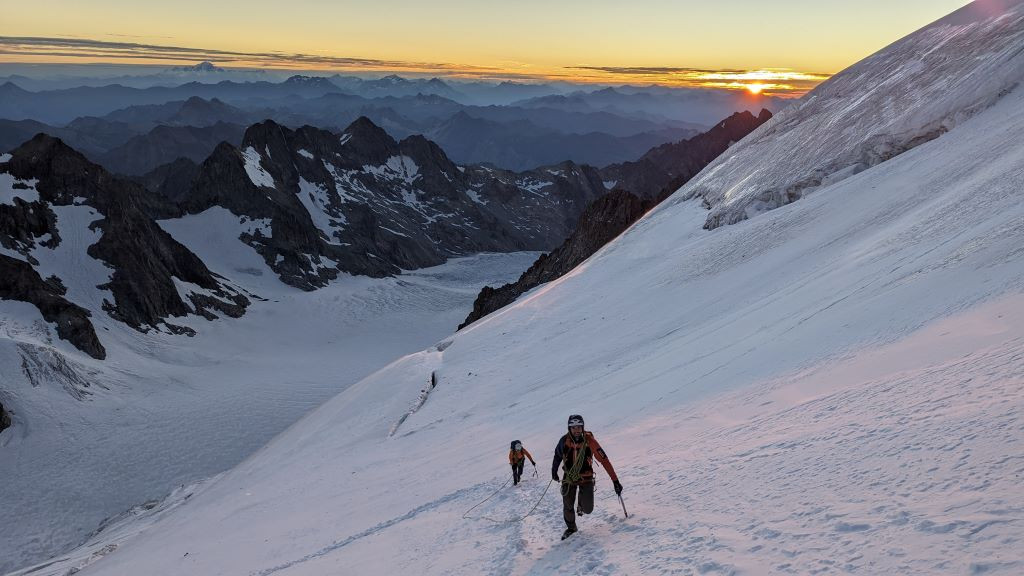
[[623, 505]]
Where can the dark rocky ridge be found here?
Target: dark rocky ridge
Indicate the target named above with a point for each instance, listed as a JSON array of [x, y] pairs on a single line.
[[19, 281], [665, 168], [654, 177], [362, 203], [143, 257], [603, 220]]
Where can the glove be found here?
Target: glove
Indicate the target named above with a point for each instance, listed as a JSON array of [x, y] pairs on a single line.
[[618, 487], [554, 476], [534, 463]]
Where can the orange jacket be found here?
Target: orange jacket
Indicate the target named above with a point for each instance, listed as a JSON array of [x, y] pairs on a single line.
[[514, 458], [565, 455]]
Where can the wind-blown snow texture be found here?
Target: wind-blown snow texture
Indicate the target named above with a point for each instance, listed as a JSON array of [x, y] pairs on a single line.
[[908, 93], [836, 386]]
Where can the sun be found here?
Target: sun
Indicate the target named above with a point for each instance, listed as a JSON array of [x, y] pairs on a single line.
[[755, 88]]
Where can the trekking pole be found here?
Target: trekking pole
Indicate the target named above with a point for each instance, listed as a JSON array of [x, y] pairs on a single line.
[[623, 505]]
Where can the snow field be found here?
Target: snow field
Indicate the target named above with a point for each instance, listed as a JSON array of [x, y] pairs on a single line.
[[164, 411], [832, 387]]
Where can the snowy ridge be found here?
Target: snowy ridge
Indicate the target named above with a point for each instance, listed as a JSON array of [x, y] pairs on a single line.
[[834, 386], [908, 93]]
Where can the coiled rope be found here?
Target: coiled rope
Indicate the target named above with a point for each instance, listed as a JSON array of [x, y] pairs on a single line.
[[572, 475]]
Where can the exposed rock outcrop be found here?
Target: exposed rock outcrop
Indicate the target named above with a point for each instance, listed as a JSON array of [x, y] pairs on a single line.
[[5, 419], [602, 221], [146, 264], [19, 281], [654, 177], [362, 203], [663, 169]]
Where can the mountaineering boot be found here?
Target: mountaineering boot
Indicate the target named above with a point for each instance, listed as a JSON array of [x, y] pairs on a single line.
[[568, 532]]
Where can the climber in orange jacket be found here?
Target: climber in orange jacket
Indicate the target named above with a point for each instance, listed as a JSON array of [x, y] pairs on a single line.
[[517, 456], [575, 453]]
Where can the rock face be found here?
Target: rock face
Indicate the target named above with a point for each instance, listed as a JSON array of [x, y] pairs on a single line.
[[19, 281], [665, 168], [602, 221], [362, 203], [151, 277], [654, 177], [5, 419]]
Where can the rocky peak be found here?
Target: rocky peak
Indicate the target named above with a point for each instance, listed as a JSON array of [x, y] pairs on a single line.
[[301, 80], [393, 79], [437, 171], [268, 144], [366, 144], [10, 88], [65, 174], [143, 258]]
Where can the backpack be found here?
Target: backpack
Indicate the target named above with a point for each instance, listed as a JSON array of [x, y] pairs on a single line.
[[513, 445]]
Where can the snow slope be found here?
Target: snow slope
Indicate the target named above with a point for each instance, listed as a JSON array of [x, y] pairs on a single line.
[[836, 386], [908, 93], [93, 439]]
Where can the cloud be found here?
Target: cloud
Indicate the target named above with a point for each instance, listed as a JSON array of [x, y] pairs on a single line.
[[779, 81], [782, 82], [88, 48]]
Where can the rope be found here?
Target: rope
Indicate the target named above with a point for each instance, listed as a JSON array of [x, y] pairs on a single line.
[[572, 475], [488, 498], [524, 517], [466, 516]]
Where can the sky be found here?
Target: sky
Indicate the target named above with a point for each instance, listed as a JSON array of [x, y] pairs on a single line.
[[654, 41]]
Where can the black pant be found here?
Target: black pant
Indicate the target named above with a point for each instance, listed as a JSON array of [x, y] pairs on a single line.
[[569, 501], [517, 471]]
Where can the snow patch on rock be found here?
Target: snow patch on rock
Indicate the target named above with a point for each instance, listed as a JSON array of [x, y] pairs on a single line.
[[254, 169], [11, 188]]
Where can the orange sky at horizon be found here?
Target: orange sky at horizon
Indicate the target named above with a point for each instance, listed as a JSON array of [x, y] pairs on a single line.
[[785, 50]]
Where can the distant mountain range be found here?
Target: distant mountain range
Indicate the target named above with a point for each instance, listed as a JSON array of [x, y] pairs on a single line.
[[545, 125], [308, 204], [508, 137]]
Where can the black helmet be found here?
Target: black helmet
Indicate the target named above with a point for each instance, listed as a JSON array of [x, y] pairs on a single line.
[[575, 420]]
